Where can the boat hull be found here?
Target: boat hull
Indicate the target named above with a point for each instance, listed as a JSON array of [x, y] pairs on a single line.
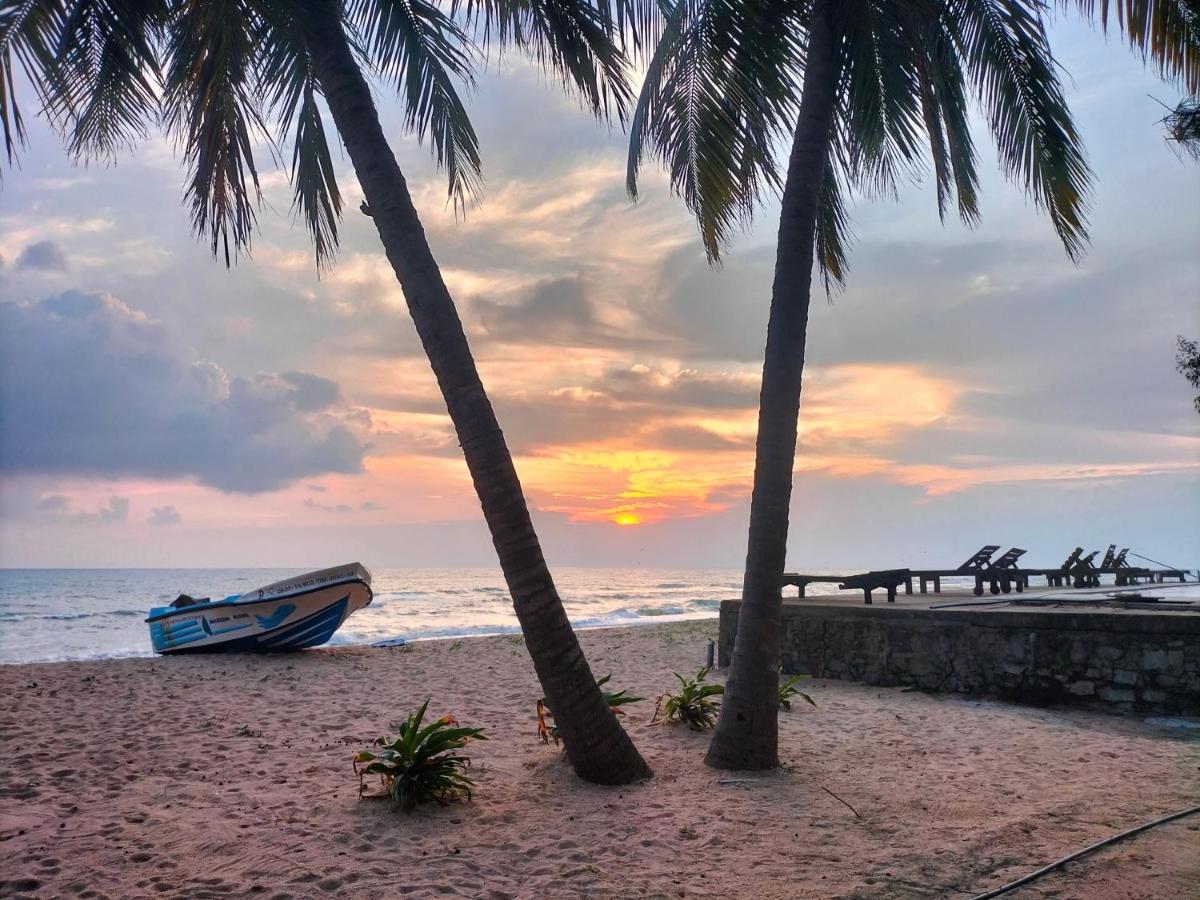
[[296, 620]]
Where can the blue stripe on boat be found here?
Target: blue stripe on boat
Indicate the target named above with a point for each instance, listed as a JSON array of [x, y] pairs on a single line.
[[308, 632]]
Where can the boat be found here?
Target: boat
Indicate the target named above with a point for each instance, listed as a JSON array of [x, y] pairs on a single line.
[[291, 614]]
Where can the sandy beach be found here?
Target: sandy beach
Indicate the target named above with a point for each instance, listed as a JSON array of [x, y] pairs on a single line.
[[231, 776]]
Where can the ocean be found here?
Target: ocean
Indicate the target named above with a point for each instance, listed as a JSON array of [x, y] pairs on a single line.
[[61, 614]]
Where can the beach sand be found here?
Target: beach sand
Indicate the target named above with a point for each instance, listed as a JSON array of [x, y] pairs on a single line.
[[231, 776]]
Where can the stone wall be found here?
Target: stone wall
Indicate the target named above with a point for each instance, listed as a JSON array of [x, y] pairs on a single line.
[[1120, 661]]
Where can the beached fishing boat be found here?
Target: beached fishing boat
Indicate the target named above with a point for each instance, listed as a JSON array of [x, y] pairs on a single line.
[[292, 614]]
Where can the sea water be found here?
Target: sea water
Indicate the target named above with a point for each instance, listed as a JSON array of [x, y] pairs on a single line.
[[59, 614]]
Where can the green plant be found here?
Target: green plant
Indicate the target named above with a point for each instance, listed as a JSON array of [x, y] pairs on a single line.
[[788, 690], [614, 699], [692, 704], [421, 764]]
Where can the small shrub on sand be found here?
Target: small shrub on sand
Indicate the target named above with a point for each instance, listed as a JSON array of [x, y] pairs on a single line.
[[614, 699], [692, 704], [788, 690], [421, 763]]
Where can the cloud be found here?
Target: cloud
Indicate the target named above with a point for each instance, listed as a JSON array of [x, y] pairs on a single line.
[[556, 312], [343, 508], [164, 515], [43, 256], [58, 506], [90, 386]]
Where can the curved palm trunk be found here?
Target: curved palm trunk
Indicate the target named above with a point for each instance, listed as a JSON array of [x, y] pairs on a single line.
[[599, 749], [747, 734]]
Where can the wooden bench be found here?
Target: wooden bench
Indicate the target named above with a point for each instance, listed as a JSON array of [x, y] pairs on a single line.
[[889, 579], [792, 579]]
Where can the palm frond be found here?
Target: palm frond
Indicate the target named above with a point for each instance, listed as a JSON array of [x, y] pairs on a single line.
[[578, 41], [29, 32], [881, 95], [719, 94], [108, 79], [943, 78], [1009, 61], [213, 110], [634, 24], [288, 82], [423, 50], [833, 230], [1165, 31]]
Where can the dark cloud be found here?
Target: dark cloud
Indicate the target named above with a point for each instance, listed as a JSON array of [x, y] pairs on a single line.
[[59, 507], [685, 389], [693, 437], [164, 515], [43, 256], [556, 312], [90, 386]]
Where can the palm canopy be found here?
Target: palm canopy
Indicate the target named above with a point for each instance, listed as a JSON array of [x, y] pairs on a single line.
[[722, 93], [224, 76]]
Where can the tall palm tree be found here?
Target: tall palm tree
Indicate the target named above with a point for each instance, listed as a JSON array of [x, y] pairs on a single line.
[[857, 89], [223, 74]]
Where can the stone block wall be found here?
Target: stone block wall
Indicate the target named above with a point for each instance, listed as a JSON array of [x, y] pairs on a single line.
[[1147, 663]]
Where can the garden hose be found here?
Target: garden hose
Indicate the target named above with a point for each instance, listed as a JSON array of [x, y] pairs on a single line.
[[1013, 885]]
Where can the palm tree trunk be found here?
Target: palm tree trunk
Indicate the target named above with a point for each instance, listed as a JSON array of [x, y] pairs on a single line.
[[599, 749], [747, 734]]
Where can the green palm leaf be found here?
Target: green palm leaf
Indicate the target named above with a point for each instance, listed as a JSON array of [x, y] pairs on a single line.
[[1009, 61], [28, 35], [212, 108], [423, 50]]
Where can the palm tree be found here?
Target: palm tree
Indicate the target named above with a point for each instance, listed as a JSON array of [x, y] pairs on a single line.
[[225, 73], [857, 89]]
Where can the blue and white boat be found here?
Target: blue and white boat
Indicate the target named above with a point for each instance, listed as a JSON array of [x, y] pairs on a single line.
[[292, 614]]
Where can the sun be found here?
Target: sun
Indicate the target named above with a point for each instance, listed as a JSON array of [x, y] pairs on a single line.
[[627, 519]]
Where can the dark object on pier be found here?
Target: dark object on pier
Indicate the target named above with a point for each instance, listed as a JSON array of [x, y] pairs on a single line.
[[1084, 573], [1002, 574], [1109, 556], [802, 581], [981, 559], [977, 562], [888, 579]]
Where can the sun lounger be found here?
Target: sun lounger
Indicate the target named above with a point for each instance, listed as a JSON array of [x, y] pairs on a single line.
[[978, 561], [888, 579], [1084, 573], [1002, 574], [792, 579]]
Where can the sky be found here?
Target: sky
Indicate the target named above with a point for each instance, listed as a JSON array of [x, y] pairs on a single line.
[[968, 386]]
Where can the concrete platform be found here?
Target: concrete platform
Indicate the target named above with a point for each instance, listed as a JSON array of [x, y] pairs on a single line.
[[1118, 659]]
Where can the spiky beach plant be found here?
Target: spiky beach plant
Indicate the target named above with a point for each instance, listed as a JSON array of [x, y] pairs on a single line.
[[614, 699], [421, 764], [692, 704], [788, 690]]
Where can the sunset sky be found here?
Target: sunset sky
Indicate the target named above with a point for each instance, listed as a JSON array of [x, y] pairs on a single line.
[[967, 387]]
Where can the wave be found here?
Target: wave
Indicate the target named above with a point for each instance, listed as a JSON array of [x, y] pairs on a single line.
[[69, 617]]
